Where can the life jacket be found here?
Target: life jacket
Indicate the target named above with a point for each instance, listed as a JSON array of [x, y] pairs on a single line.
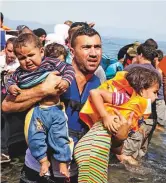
[[137, 104]]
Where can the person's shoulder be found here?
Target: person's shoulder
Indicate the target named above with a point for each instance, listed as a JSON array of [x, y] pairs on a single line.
[[127, 68]]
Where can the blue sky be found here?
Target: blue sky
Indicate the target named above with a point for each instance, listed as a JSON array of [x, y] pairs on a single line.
[[132, 19]]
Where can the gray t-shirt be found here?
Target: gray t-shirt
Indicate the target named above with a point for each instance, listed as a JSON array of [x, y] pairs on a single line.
[[100, 74]]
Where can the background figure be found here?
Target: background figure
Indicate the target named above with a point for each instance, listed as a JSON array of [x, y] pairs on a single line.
[[160, 103], [151, 42], [1, 23], [61, 30], [41, 33], [110, 66], [53, 38], [23, 29], [164, 85], [127, 53], [9, 64], [163, 68], [55, 50], [68, 22]]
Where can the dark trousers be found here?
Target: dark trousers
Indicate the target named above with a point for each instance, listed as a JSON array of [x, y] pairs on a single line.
[[12, 129], [29, 175], [4, 134]]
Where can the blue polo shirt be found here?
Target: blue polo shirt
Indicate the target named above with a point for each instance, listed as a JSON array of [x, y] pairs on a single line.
[[74, 102]]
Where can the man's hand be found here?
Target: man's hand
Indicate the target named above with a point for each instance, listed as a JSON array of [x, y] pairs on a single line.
[[125, 125], [49, 86], [122, 119]]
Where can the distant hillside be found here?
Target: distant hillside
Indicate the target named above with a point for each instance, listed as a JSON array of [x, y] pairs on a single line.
[[32, 25], [105, 31]]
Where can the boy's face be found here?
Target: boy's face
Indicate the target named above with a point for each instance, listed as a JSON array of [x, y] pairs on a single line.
[[30, 57], [151, 93]]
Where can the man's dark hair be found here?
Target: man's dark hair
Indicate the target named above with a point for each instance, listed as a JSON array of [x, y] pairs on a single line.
[[39, 32], [160, 55], [27, 38], [151, 42], [76, 24], [54, 50], [148, 52], [141, 78], [2, 17], [88, 31]]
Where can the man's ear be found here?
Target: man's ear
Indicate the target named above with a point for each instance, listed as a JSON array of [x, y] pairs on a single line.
[[72, 51], [42, 51]]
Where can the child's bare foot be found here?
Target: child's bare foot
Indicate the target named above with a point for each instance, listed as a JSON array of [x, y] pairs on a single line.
[[44, 168], [129, 159], [63, 169]]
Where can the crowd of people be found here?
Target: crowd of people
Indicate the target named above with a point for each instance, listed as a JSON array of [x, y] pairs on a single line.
[[73, 105]]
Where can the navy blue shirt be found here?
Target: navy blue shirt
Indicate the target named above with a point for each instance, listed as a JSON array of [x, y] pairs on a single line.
[[74, 101]]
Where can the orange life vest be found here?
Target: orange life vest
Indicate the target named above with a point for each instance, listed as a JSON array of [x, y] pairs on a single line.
[[137, 104]]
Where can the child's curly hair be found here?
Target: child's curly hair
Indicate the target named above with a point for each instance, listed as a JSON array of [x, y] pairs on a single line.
[[54, 50]]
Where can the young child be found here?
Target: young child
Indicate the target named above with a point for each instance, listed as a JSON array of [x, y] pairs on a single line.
[[46, 123], [127, 92], [55, 50]]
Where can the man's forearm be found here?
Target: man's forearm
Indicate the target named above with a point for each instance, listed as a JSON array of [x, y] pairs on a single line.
[[25, 100]]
